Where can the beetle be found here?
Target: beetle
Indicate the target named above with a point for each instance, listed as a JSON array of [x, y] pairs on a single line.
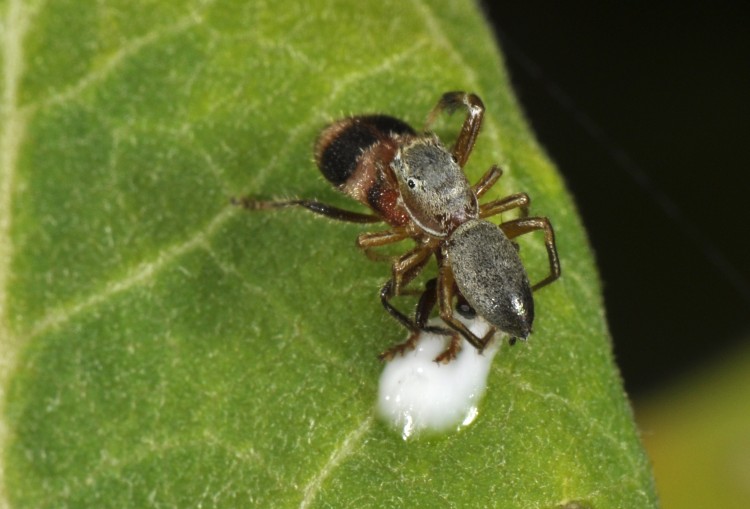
[[416, 185]]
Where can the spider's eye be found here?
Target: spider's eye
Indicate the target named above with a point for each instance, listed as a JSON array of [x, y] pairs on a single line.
[[411, 183], [455, 159]]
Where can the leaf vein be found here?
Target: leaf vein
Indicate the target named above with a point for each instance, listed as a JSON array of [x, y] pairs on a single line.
[[139, 274], [115, 60], [347, 447], [326, 356]]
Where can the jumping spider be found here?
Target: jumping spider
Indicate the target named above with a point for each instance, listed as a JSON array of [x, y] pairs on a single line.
[[417, 186]]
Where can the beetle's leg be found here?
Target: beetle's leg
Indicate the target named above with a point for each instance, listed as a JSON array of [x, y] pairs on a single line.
[[376, 239], [426, 303], [474, 107], [488, 180], [414, 331], [409, 265], [405, 270], [528, 224], [311, 205], [446, 289], [367, 241], [519, 201]]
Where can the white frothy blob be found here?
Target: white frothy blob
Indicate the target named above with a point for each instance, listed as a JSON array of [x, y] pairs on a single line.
[[417, 394]]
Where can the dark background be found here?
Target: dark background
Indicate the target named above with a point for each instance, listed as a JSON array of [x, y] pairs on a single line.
[[644, 108]]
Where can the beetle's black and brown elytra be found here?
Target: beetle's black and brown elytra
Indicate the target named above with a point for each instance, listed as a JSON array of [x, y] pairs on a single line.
[[417, 187], [352, 154], [340, 146]]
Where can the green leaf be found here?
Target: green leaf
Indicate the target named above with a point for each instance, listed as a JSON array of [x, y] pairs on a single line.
[[163, 348]]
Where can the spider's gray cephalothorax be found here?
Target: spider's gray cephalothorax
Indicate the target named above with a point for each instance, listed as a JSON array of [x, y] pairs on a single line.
[[433, 187]]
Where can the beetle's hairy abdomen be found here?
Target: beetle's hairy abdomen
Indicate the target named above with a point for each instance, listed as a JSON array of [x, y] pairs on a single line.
[[341, 144], [491, 277]]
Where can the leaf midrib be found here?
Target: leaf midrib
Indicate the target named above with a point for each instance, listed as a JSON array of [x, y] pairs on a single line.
[[14, 121]]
